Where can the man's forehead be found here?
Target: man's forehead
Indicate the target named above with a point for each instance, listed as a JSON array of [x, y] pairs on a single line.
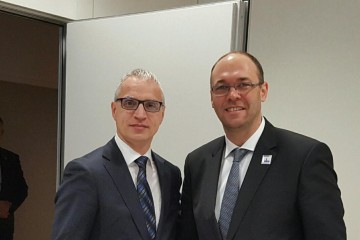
[[235, 58], [235, 63]]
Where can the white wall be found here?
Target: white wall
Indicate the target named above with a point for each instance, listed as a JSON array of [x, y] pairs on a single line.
[[310, 52], [121, 7], [168, 49]]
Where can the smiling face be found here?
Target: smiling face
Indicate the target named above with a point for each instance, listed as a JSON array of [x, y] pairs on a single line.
[[239, 113], [138, 127]]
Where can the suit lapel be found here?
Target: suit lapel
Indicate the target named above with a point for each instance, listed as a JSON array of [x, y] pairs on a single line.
[[118, 170], [254, 176], [209, 186], [165, 190], [211, 180]]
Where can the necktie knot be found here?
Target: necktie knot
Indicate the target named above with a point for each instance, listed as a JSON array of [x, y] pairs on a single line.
[[141, 162], [239, 154]]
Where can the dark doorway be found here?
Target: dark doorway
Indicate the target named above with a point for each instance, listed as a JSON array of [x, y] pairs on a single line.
[[30, 64]]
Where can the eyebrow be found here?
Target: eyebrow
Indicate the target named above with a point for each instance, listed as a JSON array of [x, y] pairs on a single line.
[[131, 97], [241, 79]]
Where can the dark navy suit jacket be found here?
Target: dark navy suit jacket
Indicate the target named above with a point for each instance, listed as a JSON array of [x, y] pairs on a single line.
[[295, 197], [13, 188], [97, 199]]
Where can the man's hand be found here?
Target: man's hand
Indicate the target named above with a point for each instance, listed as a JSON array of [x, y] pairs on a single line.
[[4, 209]]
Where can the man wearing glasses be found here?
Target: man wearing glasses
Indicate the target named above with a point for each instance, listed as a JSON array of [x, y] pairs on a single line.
[[123, 190], [257, 182]]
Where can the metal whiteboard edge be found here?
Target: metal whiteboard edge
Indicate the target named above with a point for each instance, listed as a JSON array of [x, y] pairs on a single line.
[[61, 107], [240, 26]]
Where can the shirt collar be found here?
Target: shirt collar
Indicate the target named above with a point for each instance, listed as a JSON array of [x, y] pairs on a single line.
[[130, 155], [250, 144]]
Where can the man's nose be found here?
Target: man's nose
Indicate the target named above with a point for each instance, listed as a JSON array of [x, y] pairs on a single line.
[[140, 111], [233, 93]]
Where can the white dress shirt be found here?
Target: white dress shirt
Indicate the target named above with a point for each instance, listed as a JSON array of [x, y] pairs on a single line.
[[227, 161], [151, 172]]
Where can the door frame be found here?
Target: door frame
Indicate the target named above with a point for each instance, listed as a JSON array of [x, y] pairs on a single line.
[[61, 22]]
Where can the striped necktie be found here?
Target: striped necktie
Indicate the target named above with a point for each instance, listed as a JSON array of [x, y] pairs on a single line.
[[231, 192], [145, 197]]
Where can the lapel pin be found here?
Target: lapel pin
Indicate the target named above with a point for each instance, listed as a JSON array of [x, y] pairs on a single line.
[[266, 159]]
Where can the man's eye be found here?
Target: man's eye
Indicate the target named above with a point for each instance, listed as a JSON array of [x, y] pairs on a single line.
[[150, 104], [243, 85], [130, 102], [223, 87]]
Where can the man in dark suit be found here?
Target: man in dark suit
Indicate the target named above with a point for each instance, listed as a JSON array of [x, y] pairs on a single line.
[[13, 189], [283, 187], [102, 193]]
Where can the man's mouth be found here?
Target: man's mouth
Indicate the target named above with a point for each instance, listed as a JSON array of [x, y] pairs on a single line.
[[138, 125], [234, 109]]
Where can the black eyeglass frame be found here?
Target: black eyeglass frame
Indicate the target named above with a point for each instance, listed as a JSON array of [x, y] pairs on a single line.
[[239, 87], [143, 102]]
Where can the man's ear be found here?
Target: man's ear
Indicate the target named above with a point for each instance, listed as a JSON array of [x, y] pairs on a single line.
[[264, 91], [113, 109], [212, 100]]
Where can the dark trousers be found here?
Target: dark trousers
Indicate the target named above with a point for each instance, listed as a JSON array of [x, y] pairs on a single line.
[[7, 228]]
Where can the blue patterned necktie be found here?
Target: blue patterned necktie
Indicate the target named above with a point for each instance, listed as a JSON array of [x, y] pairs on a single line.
[[145, 197], [231, 192]]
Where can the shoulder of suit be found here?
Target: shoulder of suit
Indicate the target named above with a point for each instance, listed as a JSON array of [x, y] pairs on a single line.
[[220, 141], [285, 133], [288, 136], [161, 159], [7, 153], [92, 158]]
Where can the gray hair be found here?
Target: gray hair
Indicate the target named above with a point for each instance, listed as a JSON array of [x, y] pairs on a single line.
[[140, 74]]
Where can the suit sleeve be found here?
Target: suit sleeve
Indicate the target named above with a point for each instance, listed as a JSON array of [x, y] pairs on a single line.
[[16, 190], [20, 189], [75, 204], [171, 230], [187, 225], [320, 202]]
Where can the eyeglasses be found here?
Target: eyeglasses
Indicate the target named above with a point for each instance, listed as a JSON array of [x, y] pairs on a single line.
[[132, 104], [222, 90]]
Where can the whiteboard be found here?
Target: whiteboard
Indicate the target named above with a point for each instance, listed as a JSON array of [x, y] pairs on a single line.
[[178, 45]]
